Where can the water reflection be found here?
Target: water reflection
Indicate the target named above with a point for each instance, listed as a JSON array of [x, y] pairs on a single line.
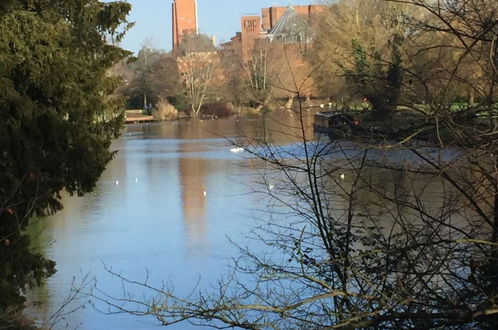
[[192, 172], [282, 127], [166, 203]]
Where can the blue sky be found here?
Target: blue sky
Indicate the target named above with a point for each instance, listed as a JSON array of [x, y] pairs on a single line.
[[220, 18]]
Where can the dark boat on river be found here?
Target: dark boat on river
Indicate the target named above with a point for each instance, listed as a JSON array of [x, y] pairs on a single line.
[[337, 124]]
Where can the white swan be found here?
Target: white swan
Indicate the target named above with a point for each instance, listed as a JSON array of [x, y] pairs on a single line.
[[236, 150]]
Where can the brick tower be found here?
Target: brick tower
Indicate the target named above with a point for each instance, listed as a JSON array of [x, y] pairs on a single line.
[[251, 30], [184, 19]]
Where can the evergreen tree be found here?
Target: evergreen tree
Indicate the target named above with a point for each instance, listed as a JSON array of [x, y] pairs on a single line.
[[376, 79], [57, 120]]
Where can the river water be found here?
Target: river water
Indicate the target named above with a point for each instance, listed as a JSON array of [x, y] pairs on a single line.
[[163, 209]]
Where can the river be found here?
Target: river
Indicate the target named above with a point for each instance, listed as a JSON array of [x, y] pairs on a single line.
[[168, 204], [163, 208]]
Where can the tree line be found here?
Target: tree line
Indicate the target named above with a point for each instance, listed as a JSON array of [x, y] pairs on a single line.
[[386, 53], [199, 78]]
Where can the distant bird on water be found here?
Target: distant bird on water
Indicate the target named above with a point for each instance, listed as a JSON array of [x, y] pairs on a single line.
[[236, 150], [343, 176]]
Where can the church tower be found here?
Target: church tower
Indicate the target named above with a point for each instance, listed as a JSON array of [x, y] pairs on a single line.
[[184, 19]]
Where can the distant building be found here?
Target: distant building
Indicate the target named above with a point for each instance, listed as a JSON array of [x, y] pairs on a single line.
[[234, 46], [184, 17], [274, 23], [289, 30], [251, 31], [270, 16]]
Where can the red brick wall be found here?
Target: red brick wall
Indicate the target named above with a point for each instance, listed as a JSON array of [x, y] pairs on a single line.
[[303, 10], [276, 13], [266, 18]]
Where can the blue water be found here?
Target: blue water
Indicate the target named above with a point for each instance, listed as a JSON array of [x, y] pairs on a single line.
[[164, 208]]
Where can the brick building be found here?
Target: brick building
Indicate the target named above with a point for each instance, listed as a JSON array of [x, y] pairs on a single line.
[[270, 16], [254, 27], [251, 31], [287, 29], [184, 17], [285, 33]]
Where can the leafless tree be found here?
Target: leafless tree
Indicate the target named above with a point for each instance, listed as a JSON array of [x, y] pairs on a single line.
[[379, 230], [199, 65]]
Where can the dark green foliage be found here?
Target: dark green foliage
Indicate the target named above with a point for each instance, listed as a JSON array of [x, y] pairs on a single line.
[[180, 103], [377, 79], [394, 75], [57, 121], [5, 5], [153, 76], [361, 63]]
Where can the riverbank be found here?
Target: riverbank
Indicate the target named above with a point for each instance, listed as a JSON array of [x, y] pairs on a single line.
[[137, 116], [400, 124], [166, 112]]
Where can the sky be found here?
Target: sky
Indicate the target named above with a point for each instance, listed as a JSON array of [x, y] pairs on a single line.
[[219, 18]]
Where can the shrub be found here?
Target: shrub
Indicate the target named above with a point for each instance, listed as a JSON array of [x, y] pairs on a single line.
[[165, 111]]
